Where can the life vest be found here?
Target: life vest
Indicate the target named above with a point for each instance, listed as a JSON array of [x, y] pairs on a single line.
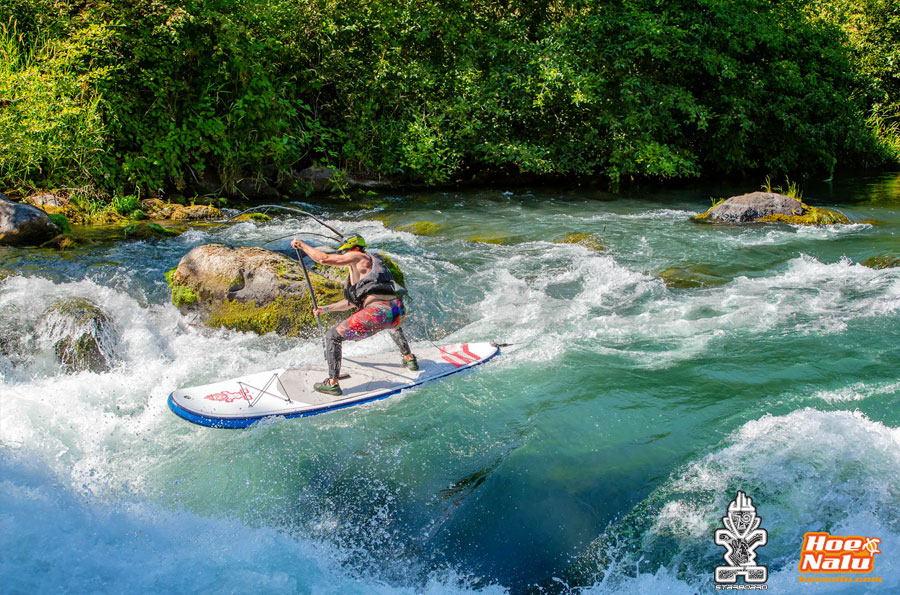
[[379, 280]]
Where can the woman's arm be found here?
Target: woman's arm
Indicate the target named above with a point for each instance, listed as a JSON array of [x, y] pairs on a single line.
[[334, 260], [335, 307]]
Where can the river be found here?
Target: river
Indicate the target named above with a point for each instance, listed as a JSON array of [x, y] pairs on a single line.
[[597, 453]]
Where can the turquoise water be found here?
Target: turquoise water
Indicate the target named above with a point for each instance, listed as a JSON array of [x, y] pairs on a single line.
[[597, 454]]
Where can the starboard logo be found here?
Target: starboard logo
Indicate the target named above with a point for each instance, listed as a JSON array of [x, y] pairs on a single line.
[[740, 537], [832, 553]]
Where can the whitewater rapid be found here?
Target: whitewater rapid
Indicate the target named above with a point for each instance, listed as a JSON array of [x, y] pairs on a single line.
[[781, 380]]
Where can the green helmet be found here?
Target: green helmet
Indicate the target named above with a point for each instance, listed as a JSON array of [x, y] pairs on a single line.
[[354, 241]]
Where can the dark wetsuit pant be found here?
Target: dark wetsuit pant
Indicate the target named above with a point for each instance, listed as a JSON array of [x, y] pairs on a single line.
[[374, 318]]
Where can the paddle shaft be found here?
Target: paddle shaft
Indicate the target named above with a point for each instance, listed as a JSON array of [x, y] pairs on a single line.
[[312, 296]]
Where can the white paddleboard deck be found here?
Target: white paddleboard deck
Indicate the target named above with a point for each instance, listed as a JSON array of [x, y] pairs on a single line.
[[288, 392]]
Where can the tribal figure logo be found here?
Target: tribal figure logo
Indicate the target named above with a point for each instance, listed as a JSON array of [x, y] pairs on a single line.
[[740, 537]]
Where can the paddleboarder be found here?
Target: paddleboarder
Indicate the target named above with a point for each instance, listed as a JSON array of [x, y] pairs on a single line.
[[371, 289]]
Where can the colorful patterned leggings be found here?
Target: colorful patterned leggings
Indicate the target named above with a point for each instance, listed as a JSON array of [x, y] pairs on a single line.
[[372, 319]]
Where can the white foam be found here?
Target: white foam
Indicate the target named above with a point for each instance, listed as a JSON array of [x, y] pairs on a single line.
[[858, 392], [53, 538]]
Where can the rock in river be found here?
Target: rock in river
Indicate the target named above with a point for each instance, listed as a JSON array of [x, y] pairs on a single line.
[[769, 207], [81, 333], [24, 225], [249, 289]]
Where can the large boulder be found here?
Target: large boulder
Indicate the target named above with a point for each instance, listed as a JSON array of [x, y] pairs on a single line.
[[249, 289], [24, 225], [769, 207], [81, 333]]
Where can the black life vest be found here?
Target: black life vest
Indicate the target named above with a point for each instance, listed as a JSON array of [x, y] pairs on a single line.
[[379, 280]]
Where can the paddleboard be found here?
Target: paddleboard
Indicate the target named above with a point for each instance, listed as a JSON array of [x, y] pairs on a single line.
[[288, 392]]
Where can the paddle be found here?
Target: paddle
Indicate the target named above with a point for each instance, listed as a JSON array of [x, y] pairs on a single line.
[[312, 297], [315, 305]]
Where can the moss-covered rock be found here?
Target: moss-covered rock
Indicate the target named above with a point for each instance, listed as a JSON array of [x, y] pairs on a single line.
[[195, 212], [252, 217], [249, 289], [148, 231], [81, 334], [690, 277], [61, 221], [810, 216], [882, 261], [421, 228], [182, 295], [158, 209], [62, 242], [769, 207], [289, 316], [588, 240], [490, 240]]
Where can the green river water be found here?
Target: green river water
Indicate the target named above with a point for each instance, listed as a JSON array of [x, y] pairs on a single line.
[[598, 453]]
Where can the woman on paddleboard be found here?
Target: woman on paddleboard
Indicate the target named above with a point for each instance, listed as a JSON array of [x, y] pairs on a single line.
[[371, 289]]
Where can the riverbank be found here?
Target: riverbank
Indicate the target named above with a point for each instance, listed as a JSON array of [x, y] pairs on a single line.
[[152, 99]]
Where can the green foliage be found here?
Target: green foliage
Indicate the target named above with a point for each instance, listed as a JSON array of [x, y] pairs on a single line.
[[124, 205], [872, 30], [792, 190], [153, 94], [51, 126]]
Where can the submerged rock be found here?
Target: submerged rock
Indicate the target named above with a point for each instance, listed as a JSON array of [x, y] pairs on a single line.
[[588, 240], [882, 261], [249, 289], [769, 207], [690, 277], [420, 228], [498, 241], [24, 225], [252, 217], [148, 231], [63, 241], [81, 334]]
